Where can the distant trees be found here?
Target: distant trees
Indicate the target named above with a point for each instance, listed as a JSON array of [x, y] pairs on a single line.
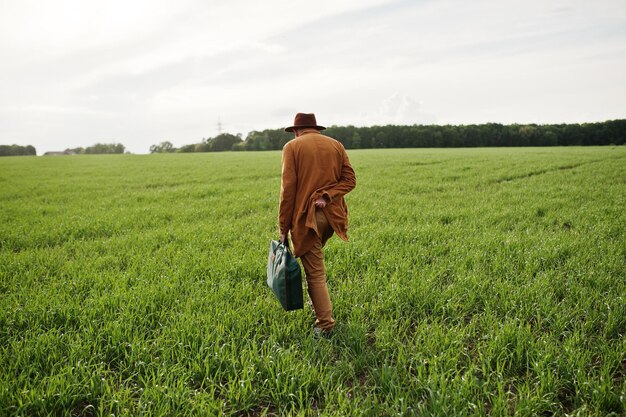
[[267, 139], [184, 148], [491, 134], [220, 143], [612, 132], [105, 148], [98, 148], [223, 142], [163, 147], [15, 150], [74, 151], [447, 136]]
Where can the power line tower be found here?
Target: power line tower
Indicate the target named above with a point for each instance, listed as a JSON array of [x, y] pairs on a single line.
[[219, 125]]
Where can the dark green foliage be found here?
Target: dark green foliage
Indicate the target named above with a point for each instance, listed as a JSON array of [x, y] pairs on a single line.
[[77, 151], [187, 148], [269, 139], [163, 147], [223, 142], [16, 150], [611, 132], [105, 148], [435, 136]]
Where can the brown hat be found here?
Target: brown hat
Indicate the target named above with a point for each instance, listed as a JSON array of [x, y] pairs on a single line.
[[303, 120]]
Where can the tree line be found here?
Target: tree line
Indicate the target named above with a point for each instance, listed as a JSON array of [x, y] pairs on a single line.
[[98, 148], [16, 150], [220, 143], [612, 132]]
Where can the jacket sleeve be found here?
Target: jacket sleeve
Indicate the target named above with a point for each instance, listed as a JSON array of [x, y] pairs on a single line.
[[346, 182], [288, 183]]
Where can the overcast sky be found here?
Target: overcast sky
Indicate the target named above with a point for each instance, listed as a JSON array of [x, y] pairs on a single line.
[[139, 72]]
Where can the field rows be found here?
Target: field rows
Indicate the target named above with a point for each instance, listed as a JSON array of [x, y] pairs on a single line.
[[476, 282]]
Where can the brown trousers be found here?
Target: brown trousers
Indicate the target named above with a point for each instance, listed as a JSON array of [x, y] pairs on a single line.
[[313, 263]]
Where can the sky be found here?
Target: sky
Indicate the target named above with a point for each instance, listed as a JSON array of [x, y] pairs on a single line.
[[138, 72]]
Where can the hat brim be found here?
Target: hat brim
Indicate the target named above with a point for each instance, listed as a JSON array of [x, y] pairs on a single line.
[[292, 128]]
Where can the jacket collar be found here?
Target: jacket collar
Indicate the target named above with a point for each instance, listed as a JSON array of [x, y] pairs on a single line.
[[306, 132]]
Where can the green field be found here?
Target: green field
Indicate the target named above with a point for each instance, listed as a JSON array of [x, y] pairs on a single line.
[[477, 282]]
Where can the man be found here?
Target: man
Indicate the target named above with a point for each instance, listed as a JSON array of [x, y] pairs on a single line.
[[316, 174]]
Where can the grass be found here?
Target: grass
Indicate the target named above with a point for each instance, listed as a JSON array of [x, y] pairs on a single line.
[[477, 282]]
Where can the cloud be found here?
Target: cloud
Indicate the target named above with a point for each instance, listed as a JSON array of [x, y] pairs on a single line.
[[398, 109], [402, 109]]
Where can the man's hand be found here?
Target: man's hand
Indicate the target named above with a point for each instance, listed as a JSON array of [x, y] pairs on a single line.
[[320, 202], [281, 238]]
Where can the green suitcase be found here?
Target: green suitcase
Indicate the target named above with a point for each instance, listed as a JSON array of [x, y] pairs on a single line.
[[284, 276]]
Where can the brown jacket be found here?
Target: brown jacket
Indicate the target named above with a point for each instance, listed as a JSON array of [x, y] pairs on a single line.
[[313, 166]]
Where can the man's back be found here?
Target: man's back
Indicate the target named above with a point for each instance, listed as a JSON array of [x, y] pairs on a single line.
[[318, 163], [314, 166]]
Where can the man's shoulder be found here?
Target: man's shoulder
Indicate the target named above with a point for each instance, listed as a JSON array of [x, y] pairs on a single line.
[[290, 144], [329, 138], [335, 143]]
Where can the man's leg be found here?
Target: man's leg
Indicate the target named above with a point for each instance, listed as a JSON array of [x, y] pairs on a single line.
[[313, 262]]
